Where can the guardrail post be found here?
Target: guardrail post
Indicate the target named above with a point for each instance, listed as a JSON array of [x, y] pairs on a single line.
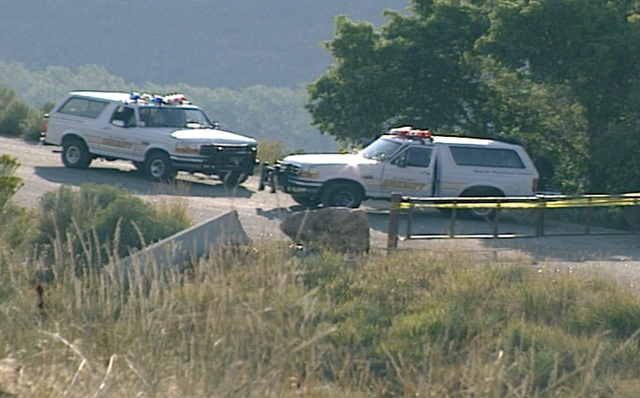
[[496, 220], [539, 222], [392, 235], [589, 210], [452, 224], [636, 216], [407, 232]]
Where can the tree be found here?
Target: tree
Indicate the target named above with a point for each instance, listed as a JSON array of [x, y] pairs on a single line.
[[591, 47], [415, 71]]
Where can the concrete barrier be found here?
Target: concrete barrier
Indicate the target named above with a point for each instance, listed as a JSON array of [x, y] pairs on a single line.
[[193, 242]]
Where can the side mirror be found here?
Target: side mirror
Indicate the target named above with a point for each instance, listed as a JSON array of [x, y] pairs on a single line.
[[118, 123]]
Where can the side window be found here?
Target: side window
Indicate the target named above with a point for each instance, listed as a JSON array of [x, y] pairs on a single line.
[[83, 107], [486, 157], [414, 157], [124, 114], [419, 157]]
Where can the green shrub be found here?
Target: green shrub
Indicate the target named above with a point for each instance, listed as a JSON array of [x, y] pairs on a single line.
[[100, 220], [9, 183], [12, 113]]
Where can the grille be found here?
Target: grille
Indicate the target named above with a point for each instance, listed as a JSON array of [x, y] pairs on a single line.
[[289, 168], [213, 150]]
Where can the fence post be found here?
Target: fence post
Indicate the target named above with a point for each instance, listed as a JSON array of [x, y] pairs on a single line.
[[394, 213], [636, 216], [452, 224], [407, 233], [496, 219], [589, 211], [539, 223]]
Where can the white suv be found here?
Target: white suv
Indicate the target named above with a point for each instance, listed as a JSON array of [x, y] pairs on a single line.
[[407, 161], [161, 135]]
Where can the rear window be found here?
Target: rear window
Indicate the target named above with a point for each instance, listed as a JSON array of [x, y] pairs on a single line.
[[83, 107], [486, 157]]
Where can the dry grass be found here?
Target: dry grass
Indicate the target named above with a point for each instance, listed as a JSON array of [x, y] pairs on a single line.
[[263, 322]]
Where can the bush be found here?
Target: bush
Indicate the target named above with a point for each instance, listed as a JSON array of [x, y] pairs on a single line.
[[9, 184], [12, 113], [108, 217]]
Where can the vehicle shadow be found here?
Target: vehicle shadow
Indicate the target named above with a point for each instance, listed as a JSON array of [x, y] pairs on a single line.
[[135, 182]]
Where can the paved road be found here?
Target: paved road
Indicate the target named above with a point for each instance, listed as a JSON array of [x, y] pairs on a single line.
[[260, 213]]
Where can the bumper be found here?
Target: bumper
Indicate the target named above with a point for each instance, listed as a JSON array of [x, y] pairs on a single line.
[[283, 178], [223, 164]]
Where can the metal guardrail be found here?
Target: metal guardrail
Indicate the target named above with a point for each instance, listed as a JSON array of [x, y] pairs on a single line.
[[539, 204]]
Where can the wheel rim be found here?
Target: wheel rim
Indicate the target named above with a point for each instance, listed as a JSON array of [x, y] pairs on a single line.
[[157, 168], [73, 154], [344, 199], [483, 212]]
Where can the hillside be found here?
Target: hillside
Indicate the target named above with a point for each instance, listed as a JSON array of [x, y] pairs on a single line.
[[226, 43]]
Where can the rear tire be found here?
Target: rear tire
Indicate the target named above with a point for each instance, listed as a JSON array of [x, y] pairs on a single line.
[[75, 154], [342, 194], [488, 213], [158, 167]]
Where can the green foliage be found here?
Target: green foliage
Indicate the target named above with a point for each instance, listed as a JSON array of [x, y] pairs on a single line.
[[413, 72], [12, 113], [560, 77], [590, 48], [18, 119], [106, 216], [16, 223], [9, 183]]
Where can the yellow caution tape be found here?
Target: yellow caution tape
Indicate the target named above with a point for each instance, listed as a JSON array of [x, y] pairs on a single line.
[[531, 203]]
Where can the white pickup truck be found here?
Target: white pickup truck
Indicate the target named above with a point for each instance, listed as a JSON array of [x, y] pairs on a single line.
[[408, 161]]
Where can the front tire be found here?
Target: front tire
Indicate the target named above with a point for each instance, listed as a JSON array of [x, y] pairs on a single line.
[[75, 154], [342, 194], [158, 167], [233, 179]]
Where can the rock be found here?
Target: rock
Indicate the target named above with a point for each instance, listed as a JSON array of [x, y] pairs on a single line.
[[335, 228]]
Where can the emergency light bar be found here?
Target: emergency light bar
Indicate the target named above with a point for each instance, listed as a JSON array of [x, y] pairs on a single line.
[[410, 132], [168, 99]]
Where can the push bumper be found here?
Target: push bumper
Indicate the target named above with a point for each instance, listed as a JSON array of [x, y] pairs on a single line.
[[243, 163], [283, 178]]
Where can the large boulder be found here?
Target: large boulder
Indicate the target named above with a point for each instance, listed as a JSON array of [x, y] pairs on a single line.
[[335, 228]]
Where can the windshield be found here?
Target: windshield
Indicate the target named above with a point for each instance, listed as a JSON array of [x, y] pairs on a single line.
[[380, 149], [174, 117]]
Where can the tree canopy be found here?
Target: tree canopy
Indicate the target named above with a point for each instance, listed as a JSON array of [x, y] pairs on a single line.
[[560, 76]]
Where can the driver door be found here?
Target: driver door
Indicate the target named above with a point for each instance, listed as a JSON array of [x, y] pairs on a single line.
[[117, 139], [409, 173]]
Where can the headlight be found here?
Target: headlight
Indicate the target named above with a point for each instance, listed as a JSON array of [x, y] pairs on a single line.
[[183, 147], [308, 172]]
